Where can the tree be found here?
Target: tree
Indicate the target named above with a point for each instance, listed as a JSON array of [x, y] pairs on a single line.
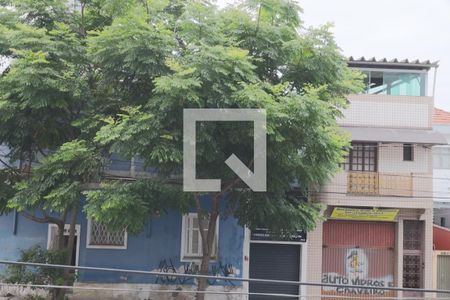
[[153, 61], [43, 92], [113, 76]]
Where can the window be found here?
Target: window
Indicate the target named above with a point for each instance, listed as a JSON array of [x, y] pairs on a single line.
[[191, 240], [362, 157], [100, 237], [52, 240], [442, 221], [408, 152], [385, 82], [441, 157]]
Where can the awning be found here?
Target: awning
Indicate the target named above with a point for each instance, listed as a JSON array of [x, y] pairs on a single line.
[[390, 135]]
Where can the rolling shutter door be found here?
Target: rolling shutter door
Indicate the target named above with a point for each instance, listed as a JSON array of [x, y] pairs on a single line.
[[358, 253], [277, 262]]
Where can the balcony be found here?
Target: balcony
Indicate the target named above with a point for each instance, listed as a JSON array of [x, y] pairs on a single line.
[[379, 184]]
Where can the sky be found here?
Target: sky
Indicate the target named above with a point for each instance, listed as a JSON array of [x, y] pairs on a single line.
[[412, 29]]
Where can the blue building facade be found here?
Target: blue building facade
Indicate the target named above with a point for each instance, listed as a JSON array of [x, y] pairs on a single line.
[[157, 247], [160, 246]]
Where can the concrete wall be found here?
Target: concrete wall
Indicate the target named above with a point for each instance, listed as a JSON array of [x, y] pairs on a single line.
[[389, 111], [390, 161], [125, 291]]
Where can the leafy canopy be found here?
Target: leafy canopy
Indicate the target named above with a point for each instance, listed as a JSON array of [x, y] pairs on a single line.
[[112, 76], [154, 61]]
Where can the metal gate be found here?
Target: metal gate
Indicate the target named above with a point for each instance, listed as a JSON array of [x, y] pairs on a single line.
[[277, 262]]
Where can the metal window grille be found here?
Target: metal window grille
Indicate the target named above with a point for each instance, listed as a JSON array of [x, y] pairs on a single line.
[[412, 256], [412, 235], [100, 235], [412, 271]]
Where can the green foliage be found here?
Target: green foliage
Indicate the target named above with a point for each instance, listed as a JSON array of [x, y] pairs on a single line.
[[43, 91], [257, 55], [58, 182], [37, 275], [138, 201], [113, 76], [43, 13], [8, 179]]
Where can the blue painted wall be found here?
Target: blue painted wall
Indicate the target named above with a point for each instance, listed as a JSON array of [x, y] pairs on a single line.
[[160, 240], [28, 234]]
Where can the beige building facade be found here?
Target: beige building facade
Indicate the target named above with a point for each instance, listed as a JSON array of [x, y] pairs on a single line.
[[378, 210]]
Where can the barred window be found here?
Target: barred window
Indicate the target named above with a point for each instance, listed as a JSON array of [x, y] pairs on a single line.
[[362, 157], [99, 236], [191, 240]]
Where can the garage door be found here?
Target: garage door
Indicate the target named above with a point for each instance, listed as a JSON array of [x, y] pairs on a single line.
[[443, 274], [274, 261], [358, 253]]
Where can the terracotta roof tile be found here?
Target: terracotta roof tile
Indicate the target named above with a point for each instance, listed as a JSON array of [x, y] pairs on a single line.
[[441, 116]]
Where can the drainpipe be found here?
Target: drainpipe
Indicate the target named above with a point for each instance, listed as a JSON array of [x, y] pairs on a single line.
[[15, 222]]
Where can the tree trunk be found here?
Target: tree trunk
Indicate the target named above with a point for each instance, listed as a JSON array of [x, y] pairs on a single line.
[[59, 294], [72, 231], [207, 246], [60, 244]]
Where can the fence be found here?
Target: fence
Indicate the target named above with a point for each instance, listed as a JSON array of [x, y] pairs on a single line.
[[354, 291]]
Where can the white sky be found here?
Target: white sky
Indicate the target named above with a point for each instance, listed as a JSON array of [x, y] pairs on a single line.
[[413, 29]]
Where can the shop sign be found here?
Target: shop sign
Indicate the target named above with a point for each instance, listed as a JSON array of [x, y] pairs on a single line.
[[356, 273], [357, 214], [262, 234]]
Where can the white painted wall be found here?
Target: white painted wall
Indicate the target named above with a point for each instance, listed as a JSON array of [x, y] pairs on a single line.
[[390, 159], [388, 111]]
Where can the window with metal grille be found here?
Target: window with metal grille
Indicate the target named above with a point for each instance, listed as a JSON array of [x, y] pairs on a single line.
[[412, 235], [412, 271], [99, 236], [412, 253], [191, 240], [362, 157]]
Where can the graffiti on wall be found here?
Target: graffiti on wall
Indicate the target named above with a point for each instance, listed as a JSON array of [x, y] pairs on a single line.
[[220, 269], [356, 268]]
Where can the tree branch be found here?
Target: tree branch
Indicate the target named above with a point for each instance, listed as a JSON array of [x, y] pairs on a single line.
[[45, 219], [200, 223], [6, 164]]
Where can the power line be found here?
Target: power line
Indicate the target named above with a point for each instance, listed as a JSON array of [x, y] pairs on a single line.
[[169, 291], [435, 194], [381, 196], [224, 278], [323, 296]]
